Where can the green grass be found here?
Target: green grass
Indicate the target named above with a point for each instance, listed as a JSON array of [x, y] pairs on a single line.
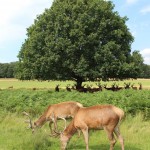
[[6, 83], [15, 136], [36, 101]]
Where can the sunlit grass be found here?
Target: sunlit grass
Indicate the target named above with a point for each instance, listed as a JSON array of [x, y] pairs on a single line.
[[6, 83], [15, 136]]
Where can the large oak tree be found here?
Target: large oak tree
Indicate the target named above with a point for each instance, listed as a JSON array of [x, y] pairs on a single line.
[[79, 40]]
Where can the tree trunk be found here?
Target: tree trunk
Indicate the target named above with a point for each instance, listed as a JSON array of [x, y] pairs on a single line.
[[79, 81]]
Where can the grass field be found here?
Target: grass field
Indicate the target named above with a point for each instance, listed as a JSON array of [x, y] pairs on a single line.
[[6, 83], [15, 136]]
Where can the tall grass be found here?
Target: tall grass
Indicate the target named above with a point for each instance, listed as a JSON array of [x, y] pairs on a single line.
[[15, 136], [36, 101]]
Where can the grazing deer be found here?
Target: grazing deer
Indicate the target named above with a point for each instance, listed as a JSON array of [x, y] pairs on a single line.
[[56, 111], [105, 117]]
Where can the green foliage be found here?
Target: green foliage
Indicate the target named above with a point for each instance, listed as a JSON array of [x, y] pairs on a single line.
[[36, 102], [7, 70], [145, 73], [77, 40]]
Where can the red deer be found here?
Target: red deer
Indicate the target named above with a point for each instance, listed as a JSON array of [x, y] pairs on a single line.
[[133, 87], [118, 88], [140, 87], [105, 117], [68, 88], [56, 111], [57, 88], [82, 89], [127, 85], [112, 88]]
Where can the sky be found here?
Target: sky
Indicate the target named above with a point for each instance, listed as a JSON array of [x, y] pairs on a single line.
[[17, 15]]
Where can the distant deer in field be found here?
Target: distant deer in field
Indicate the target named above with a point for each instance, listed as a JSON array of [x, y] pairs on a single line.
[[107, 117], [133, 87], [68, 88], [140, 86], [10, 87], [127, 85], [82, 89], [112, 88], [99, 86], [57, 88], [118, 88], [53, 112]]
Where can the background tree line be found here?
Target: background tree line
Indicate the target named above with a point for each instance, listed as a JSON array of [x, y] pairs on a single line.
[[8, 70]]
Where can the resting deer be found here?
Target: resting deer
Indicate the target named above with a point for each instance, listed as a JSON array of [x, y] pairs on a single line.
[[56, 111], [57, 88], [68, 88], [140, 86], [133, 87], [105, 117]]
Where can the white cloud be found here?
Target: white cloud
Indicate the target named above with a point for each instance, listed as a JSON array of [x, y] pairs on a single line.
[[17, 15], [145, 10], [131, 1], [146, 55]]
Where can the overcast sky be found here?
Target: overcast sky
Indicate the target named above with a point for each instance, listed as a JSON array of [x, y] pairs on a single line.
[[17, 15]]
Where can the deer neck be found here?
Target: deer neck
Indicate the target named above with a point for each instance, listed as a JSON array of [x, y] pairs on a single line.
[[40, 121], [70, 130]]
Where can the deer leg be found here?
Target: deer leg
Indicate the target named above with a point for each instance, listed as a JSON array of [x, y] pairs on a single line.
[[121, 140], [79, 132], [50, 126], [55, 123], [110, 137], [86, 137]]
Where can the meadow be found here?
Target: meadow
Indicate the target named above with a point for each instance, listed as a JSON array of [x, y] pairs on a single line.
[[13, 101], [17, 84]]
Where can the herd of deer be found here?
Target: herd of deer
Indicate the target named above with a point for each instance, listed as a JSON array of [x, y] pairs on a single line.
[[106, 117], [88, 88]]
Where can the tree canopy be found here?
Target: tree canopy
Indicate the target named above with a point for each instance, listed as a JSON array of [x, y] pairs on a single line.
[[79, 40], [7, 70]]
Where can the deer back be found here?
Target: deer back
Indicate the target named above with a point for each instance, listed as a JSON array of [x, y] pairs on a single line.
[[96, 117], [64, 109]]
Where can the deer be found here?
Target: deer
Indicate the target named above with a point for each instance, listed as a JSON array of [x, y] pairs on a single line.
[[68, 88], [54, 112], [127, 85], [57, 88], [133, 87], [118, 88], [140, 86], [106, 117]]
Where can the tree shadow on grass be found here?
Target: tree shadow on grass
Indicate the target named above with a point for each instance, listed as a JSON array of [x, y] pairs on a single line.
[[102, 147]]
